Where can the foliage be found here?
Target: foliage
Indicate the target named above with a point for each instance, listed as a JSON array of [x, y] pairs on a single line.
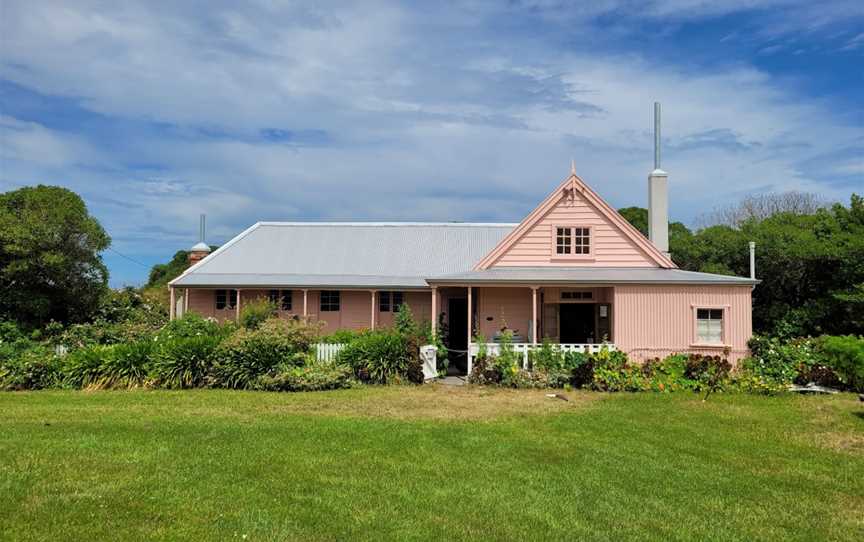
[[774, 363], [109, 366], [32, 369], [123, 316], [256, 312], [250, 353], [312, 377], [845, 355], [127, 365], [383, 356], [192, 325], [50, 267], [184, 362], [341, 336], [404, 322]]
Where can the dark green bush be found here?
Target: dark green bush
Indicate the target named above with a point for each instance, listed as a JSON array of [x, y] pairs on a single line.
[[183, 362], [83, 367], [314, 377], [341, 336], [251, 353], [383, 356], [193, 325], [845, 355], [127, 365], [256, 312]]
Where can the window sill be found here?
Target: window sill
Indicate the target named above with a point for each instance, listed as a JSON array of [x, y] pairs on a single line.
[[560, 258], [710, 345]]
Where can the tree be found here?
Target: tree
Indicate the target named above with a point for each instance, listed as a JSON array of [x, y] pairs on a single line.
[[50, 266], [679, 234], [762, 206]]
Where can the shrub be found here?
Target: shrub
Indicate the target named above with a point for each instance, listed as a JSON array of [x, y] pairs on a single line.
[[313, 377], [83, 367], [341, 336], [250, 353], [383, 356], [404, 323], [546, 358], [845, 355], [710, 373], [613, 372], [184, 362], [127, 365], [33, 369], [256, 312], [193, 325], [780, 362]]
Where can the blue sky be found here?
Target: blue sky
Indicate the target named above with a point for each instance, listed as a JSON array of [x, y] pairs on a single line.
[[157, 111]]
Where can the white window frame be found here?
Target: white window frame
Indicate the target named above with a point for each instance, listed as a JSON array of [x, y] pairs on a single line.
[[699, 340]]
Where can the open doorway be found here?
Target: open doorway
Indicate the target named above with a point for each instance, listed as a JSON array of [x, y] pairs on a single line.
[[577, 323], [457, 314]]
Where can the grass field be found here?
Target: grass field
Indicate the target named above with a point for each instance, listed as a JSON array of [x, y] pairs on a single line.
[[428, 463]]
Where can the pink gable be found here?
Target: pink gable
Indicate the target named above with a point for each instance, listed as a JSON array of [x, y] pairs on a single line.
[[614, 242]]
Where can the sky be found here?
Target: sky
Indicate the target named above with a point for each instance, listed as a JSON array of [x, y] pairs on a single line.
[[155, 112]]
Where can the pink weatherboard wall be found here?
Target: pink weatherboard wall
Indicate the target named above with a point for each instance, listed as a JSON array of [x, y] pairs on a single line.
[[655, 321], [610, 247], [355, 307], [504, 305]]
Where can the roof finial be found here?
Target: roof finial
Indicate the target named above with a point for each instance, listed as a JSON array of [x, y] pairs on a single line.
[[572, 167]]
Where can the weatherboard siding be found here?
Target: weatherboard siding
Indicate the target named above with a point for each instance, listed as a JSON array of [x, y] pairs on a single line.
[[610, 247], [655, 321], [500, 307]]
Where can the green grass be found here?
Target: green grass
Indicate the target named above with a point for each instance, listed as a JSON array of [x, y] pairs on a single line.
[[428, 463]]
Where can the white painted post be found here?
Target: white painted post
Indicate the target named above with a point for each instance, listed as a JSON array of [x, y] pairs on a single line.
[[434, 310], [237, 306], [173, 309], [186, 301], [534, 315], [470, 325], [305, 292], [373, 309]]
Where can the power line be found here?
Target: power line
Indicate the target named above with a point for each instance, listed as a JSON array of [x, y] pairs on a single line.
[[133, 260]]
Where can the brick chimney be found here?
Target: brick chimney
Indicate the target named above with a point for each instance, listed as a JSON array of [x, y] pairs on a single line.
[[201, 249]]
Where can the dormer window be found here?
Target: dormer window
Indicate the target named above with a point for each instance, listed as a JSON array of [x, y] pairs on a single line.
[[571, 240]]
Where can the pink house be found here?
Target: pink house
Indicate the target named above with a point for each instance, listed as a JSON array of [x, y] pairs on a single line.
[[573, 272]]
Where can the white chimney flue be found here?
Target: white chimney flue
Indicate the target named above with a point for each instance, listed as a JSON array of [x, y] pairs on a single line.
[[658, 195]]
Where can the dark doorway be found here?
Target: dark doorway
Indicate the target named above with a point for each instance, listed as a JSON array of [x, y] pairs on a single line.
[[577, 323], [457, 312]]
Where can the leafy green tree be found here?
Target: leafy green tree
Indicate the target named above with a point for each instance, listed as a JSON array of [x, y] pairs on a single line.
[[50, 266]]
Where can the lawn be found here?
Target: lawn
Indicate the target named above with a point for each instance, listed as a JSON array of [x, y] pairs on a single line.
[[428, 463]]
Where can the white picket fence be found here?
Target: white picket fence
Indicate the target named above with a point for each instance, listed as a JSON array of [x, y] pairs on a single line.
[[522, 350], [327, 351]]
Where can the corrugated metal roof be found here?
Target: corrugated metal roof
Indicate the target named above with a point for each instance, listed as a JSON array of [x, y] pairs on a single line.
[[588, 275], [360, 254]]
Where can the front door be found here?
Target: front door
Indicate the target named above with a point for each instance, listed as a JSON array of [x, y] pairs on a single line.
[[577, 323], [457, 313]]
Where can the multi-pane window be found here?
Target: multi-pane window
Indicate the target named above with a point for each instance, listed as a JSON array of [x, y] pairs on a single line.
[[281, 298], [390, 301], [572, 240], [577, 295], [563, 241], [329, 300], [226, 299], [709, 326]]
